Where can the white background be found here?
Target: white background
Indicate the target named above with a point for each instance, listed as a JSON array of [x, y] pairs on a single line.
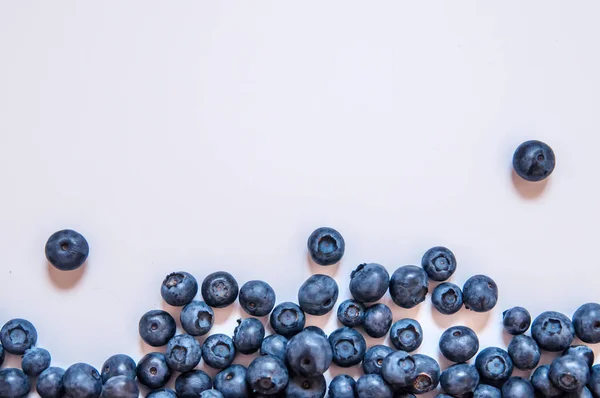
[[204, 136]]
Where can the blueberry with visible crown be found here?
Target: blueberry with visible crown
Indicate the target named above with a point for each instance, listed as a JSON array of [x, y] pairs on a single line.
[[326, 246], [447, 298], [287, 319], [179, 288], [219, 289], [348, 346], [406, 334], [439, 263]]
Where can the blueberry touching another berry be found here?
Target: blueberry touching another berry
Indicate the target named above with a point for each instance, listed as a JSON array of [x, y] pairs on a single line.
[[231, 382], [480, 293], [351, 313], [50, 383], [267, 375], [308, 354], [540, 379], [459, 343], [67, 250], [157, 327], [348, 346], [118, 365], [408, 286], [248, 335], [179, 289], [582, 352], [378, 320], [447, 298], [257, 298], [17, 336], [534, 161], [494, 366], [197, 318], [326, 246], [275, 345], [183, 353], [517, 387], [306, 387], [83, 381], [120, 387], [428, 374], [318, 294], [35, 361], [439, 263], [406, 334], [552, 331], [524, 352], [399, 369], [486, 391], [459, 379], [372, 385], [287, 319], [153, 371], [369, 282], [594, 380], [586, 321], [14, 383], [218, 351], [191, 384], [342, 386], [374, 357], [569, 373], [219, 289], [516, 320]]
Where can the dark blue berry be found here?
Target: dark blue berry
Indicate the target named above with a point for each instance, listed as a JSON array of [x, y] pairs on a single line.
[[378, 320], [211, 394], [447, 298], [35, 361], [17, 336], [348, 346], [326, 246], [459, 379], [275, 345], [120, 387], [318, 294], [197, 318], [248, 335], [267, 375], [157, 327], [408, 286], [486, 391], [153, 371], [569, 373], [594, 380], [231, 382], [459, 343], [179, 288], [257, 298], [83, 381], [287, 319], [191, 384], [342, 386], [219, 289], [516, 320], [183, 353], [534, 160], [406, 334], [369, 282], [162, 393], [218, 351], [582, 352], [2, 354], [517, 387], [351, 313], [372, 385], [540, 379], [67, 250], [306, 387], [428, 374], [524, 352], [118, 365], [553, 331], [50, 383], [374, 357], [14, 383], [399, 369], [494, 366], [586, 321], [480, 293], [439, 263], [308, 354]]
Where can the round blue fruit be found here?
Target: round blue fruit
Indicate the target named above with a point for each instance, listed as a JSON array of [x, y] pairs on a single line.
[[257, 298], [157, 327], [326, 246], [179, 288], [287, 319], [318, 294], [348, 346], [67, 250], [369, 282], [459, 343], [83, 381], [219, 289], [447, 298], [534, 161], [439, 263], [409, 286], [231, 382], [17, 336], [406, 334]]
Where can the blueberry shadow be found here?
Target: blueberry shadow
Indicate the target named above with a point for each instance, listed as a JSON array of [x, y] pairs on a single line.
[[353, 371], [446, 321], [444, 362], [65, 279], [175, 312], [526, 189], [318, 320], [476, 320], [329, 270]]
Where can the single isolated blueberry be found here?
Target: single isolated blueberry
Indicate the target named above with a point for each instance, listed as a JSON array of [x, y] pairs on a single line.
[[275, 345], [447, 298], [586, 321], [533, 161], [369, 282], [480, 293], [552, 331], [408, 286], [378, 320], [197, 318], [459, 343], [287, 319], [218, 351], [486, 391], [582, 352], [326, 246], [372, 385], [179, 288], [306, 387], [153, 371], [50, 383], [516, 320], [494, 366], [459, 379], [17, 336], [428, 374], [318, 294], [219, 289], [348, 346], [399, 369], [231, 382], [83, 381], [594, 380], [35, 361], [118, 365], [524, 352], [248, 335], [309, 354], [14, 383], [351, 313], [569, 373], [157, 327], [191, 384], [120, 387], [67, 250], [267, 375], [517, 387], [406, 334], [540, 379], [342, 386], [183, 353], [439, 263], [257, 298], [374, 357], [162, 393]]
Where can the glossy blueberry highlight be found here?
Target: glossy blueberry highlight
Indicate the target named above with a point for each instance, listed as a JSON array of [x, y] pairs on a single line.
[[179, 289], [257, 298], [372, 385], [218, 351], [219, 289], [197, 318], [569, 373], [35, 361], [447, 298], [459, 343], [306, 387], [248, 335], [439, 263], [524, 352], [378, 320], [162, 393], [326, 246], [120, 387], [517, 387], [582, 352], [342, 386], [480, 293], [553, 331], [118, 365], [399, 369], [374, 357], [14, 383], [267, 375], [153, 371], [348, 346], [459, 379], [534, 161], [183, 353], [50, 383], [428, 374], [594, 380], [231, 382], [351, 313], [67, 250], [83, 381], [494, 366], [17, 336], [157, 327], [516, 320], [540, 379], [309, 354], [287, 319], [406, 334], [318, 294], [586, 321], [191, 384], [275, 345], [486, 391], [408, 286], [369, 282]]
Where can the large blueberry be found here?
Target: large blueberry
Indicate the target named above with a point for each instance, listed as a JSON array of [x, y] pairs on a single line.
[[351, 313], [257, 298], [408, 286], [581, 351], [318, 294], [306, 387], [179, 288], [267, 375], [67, 250], [218, 351], [447, 298], [372, 385], [406, 334], [586, 321], [517, 387], [459, 379], [348, 346], [248, 335], [326, 246], [50, 383], [540, 379], [197, 318], [118, 365], [162, 393], [35, 361], [378, 320], [153, 371], [342, 386], [369, 282], [494, 366], [534, 160], [428, 374], [486, 391], [183, 353], [287, 319], [315, 329], [308, 354], [524, 352], [191, 384], [569, 373], [459, 343], [82, 381], [439, 263], [157, 327], [17, 336], [553, 331], [275, 345], [399, 369], [480, 293], [219, 289], [231, 382], [516, 320], [120, 387], [14, 383], [374, 357]]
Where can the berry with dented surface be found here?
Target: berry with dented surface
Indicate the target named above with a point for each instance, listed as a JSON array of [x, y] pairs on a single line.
[[516, 320], [197, 318], [351, 313], [179, 289], [218, 351], [326, 246], [552, 331], [369, 282], [480, 293], [439, 263], [494, 366], [67, 250], [569, 373], [257, 298], [267, 375], [17, 336], [248, 335], [408, 286], [447, 298], [219, 289], [428, 374], [406, 334], [399, 369], [534, 161], [318, 294], [183, 353], [348, 346], [287, 319]]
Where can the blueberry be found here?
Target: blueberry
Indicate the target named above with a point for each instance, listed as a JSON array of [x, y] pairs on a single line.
[[342, 386], [459, 343], [162, 393], [67, 250], [218, 351], [459, 379], [516, 320], [326, 246], [231, 382], [583, 393], [219, 289], [399, 369], [373, 386], [153, 371], [439, 263], [540, 379], [494, 366], [408, 286], [35, 361], [318, 294], [447, 298], [406, 334], [120, 387], [403, 394], [369, 282], [248, 335], [157, 327], [480, 293], [183, 353], [82, 381], [378, 320], [2, 354], [118, 365], [179, 288], [275, 345], [517, 387], [524, 352], [594, 381], [428, 374], [191, 384], [553, 331], [14, 383], [50, 383], [267, 375], [17, 336], [306, 387], [374, 358], [211, 394], [287, 319], [351, 313], [582, 352], [315, 329], [257, 298], [197, 318], [569, 373], [586, 321], [486, 391], [308, 354], [533, 160], [348, 346]]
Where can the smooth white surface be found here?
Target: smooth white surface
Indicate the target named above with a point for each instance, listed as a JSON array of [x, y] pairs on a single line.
[[205, 136]]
